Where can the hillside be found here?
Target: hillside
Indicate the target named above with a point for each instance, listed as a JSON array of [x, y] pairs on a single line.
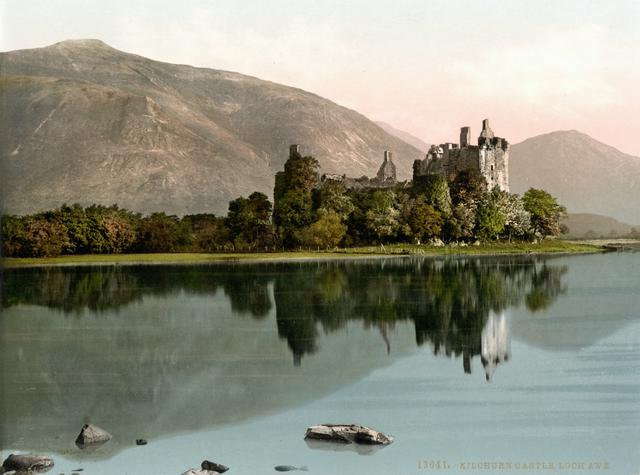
[[83, 122], [586, 176], [587, 225], [405, 137]]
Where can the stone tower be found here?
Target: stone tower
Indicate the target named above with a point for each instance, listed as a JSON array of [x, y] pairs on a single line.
[[465, 137], [387, 171], [490, 158]]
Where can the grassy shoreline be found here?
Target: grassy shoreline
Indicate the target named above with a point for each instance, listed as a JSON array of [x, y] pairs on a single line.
[[545, 247]]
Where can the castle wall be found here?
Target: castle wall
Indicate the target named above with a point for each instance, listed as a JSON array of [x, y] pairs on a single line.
[[490, 157]]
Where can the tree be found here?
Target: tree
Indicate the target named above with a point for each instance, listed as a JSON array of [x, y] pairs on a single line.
[[46, 238], [162, 233], [325, 233], [332, 196], [249, 223], [382, 215], [518, 222], [490, 217], [425, 222], [435, 190], [545, 212], [467, 186], [14, 236], [462, 222], [293, 206]]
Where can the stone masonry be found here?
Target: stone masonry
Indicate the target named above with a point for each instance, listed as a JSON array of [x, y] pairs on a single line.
[[490, 157]]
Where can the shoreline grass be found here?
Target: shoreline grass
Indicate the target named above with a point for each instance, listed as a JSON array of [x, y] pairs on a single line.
[[544, 247]]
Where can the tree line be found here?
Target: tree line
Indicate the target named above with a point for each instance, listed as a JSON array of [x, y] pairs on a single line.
[[307, 213]]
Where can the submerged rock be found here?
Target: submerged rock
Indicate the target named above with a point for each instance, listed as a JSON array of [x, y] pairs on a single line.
[[347, 434], [26, 463], [212, 466], [200, 471], [289, 468], [90, 435]]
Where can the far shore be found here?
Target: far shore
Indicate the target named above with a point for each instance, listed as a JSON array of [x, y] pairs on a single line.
[[549, 246]]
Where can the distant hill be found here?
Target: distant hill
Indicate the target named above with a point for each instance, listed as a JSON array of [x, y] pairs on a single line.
[[585, 225], [405, 136], [586, 176], [83, 122]]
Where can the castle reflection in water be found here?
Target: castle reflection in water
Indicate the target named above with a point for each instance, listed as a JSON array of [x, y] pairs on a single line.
[[457, 305]]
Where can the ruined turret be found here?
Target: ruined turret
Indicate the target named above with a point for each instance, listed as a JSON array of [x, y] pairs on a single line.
[[387, 171], [486, 136], [465, 137]]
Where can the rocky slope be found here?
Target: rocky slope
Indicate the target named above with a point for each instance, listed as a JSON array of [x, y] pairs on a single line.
[[586, 176], [83, 122]]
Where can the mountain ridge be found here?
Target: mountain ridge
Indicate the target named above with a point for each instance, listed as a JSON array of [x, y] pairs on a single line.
[[586, 175], [87, 122]]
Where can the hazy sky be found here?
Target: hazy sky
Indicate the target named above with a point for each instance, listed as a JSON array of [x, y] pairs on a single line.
[[427, 67]]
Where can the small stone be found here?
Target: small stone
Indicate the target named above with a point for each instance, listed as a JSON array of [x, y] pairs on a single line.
[[141, 442], [27, 463], [216, 467], [90, 435]]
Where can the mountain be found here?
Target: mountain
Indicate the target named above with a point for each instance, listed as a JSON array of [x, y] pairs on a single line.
[[83, 122], [405, 136], [585, 175], [587, 225]]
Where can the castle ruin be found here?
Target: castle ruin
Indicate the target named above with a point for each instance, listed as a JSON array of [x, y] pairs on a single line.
[[385, 178], [490, 157]]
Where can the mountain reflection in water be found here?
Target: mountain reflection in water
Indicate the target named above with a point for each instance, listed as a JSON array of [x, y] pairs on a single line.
[[151, 350]]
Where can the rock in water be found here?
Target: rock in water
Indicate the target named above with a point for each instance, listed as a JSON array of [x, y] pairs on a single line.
[[90, 435], [216, 467], [26, 463], [348, 434], [196, 471], [141, 442], [289, 468]]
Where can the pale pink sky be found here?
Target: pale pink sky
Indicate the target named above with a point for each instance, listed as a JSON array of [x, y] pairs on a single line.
[[424, 66]]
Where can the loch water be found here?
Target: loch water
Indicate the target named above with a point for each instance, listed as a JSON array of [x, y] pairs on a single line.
[[515, 364]]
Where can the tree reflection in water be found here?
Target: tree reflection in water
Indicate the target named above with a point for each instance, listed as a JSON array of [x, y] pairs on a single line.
[[457, 305]]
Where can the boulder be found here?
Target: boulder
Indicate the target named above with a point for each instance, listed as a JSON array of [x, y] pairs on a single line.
[[90, 435], [26, 463], [212, 466], [347, 434]]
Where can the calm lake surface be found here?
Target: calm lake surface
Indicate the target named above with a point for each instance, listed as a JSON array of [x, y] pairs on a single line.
[[522, 361]]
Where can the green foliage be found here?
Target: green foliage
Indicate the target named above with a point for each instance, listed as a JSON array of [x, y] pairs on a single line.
[[435, 190], [45, 238], [381, 215], [545, 212], [293, 205], [332, 196], [467, 187], [14, 236], [325, 233], [209, 233], [301, 173], [249, 224], [425, 222], [162, 233], [491, 217], [461, 223]]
